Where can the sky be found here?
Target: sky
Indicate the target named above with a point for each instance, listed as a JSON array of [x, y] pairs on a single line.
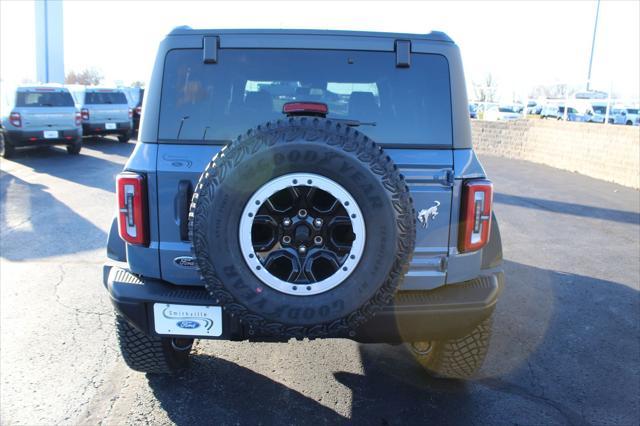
[[522, 44]]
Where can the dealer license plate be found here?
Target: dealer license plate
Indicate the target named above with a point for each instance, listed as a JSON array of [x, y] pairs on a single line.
[[110, 126], [51, 134], [187, 320]]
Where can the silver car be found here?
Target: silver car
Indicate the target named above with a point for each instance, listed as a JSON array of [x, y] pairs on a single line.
[[105, 111], [39, 115]]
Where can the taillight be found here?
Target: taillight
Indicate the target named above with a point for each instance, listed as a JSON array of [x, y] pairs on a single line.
[[475, 218], [78, 118], [130, 113], [132, 208], [138, 110], [85, 114], [15, 119]]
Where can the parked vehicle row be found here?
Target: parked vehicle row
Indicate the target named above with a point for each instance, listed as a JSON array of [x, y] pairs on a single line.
[[37, 115], [579, 111]]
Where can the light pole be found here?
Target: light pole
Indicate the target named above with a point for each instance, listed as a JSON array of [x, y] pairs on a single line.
[[593, 45]]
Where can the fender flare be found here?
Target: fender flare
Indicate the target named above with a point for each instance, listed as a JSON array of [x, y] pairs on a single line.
[[116, 247], [492, 253]]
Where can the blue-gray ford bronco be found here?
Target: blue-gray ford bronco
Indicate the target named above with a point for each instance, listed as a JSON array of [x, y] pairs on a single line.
[[305, 184]]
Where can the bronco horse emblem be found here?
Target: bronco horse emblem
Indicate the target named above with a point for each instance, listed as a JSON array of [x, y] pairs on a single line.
[[426, 215]]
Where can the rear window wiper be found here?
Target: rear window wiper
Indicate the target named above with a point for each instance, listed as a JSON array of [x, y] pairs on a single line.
[[355, 123]]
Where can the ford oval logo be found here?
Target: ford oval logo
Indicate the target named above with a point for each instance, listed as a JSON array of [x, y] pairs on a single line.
[[190, 325], [187, 262]]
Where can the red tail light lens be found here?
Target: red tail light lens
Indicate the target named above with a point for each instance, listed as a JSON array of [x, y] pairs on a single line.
[[78, 118], [475, 218], [130, 113], [132, 208], [15, 119], [85, 114]]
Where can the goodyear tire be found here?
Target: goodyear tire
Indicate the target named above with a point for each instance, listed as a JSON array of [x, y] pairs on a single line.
[[319, 159], [457, 358], [149, 354]]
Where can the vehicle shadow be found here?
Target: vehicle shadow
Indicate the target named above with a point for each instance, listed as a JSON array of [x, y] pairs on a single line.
[[84, 169], [27, 212], [565, 350], [108, 145], [558, 341], [216, 391]]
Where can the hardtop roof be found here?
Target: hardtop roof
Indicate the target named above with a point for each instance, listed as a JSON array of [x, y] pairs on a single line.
[[431, 36]]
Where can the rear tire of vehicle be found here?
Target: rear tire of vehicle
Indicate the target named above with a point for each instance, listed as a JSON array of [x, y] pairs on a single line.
[[6, 149], [629, 123], [124, 138], [74, 149], [150, 354], [457, 358]]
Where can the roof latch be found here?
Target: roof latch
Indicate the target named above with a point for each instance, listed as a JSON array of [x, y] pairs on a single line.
[[403, 53], [210, 49]]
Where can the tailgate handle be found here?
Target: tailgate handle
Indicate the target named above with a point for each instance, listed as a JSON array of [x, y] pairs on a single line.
[[185, 191]]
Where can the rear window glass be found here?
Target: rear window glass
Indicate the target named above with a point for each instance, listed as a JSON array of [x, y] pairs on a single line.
[[250, 86], [105, 98], [44, 99]]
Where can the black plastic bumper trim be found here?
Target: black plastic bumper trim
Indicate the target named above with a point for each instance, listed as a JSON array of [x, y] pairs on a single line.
[[448, 312], [99, 128], [21, 138]]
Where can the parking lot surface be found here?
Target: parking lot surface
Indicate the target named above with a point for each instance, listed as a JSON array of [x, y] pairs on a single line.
[[566, 347]]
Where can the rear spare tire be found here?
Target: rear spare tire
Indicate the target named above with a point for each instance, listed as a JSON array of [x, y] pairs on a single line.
[[303, 227]]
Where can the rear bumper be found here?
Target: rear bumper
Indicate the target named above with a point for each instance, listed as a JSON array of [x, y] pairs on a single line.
[[20, 138], [100, 129], [448, 312]]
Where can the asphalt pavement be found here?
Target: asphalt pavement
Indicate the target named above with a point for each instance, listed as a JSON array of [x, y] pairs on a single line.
[[566, 346]]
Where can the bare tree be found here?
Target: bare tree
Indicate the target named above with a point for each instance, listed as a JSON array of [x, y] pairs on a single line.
[[554, 91], [87, 77], [485, 90]]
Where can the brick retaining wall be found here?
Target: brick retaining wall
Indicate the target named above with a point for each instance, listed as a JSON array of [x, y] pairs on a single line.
[[611, 153]]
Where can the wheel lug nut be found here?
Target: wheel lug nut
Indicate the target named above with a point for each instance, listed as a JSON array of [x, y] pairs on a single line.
[[286, 221], [302, 249], [302, 213], [317, 223], [318, 240], [286, 239]]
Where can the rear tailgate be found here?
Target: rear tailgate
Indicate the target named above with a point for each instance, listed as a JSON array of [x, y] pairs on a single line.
[[45, 108], [106, 113], [106, 105], [427, 172], [47, 118]]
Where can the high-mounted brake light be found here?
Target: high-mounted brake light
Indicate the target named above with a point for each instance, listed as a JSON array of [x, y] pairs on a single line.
[[132, 208], [15, 119], [305, 108], [78, 118], [130, 113], [475, 217], [85, 114]]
